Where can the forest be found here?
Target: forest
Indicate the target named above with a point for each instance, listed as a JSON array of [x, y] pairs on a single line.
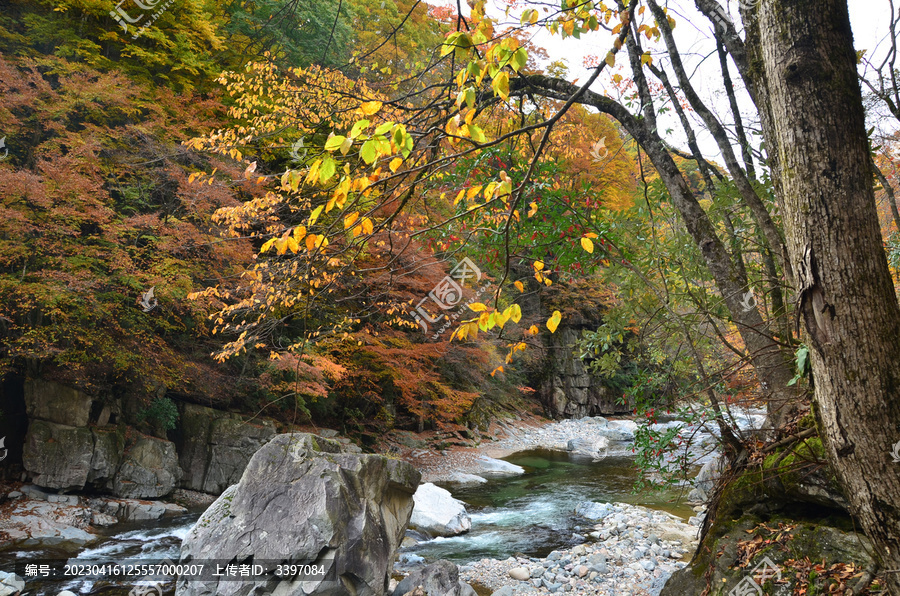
[[428, 226]]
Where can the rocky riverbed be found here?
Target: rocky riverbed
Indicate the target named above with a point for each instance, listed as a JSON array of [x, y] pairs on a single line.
[[630, 551]]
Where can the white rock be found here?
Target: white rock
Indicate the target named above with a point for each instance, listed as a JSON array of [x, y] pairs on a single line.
[[438, 513], [10, 583], [520, 573], [463, 478], [489, 465]]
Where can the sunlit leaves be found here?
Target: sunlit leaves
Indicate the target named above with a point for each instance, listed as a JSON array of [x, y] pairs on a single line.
[[587, 245], [553, 321], [370, 107]]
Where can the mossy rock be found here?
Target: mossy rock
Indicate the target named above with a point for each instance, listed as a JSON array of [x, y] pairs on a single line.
[[718, 563]]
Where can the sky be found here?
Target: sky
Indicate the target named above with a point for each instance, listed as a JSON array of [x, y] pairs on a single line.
[[693, 32]]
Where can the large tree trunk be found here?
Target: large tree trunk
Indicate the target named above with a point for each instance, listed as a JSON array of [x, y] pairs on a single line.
[[844, 288]]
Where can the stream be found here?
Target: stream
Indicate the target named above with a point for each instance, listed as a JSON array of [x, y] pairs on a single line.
[[532, 513], [529, 514]]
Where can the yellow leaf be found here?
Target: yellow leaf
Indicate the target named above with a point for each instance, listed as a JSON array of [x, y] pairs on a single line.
[[351, 219], [299, 232], [292, 244], [520, 286], [516, 314], [267, 245], [553, 321], [310, 242], [367, 226], [587, 244], [395, 163], [477, 307], [496, 370], [370, 107], [533, 330], [461, 194], [538, 265], [315, 214]]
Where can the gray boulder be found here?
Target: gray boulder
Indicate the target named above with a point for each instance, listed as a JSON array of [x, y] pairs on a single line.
[[46, 400], [214, 447], [441, 578], [596, 448], [150, 470], [706, 479], [438, 513], [303, 499], [232, 443], [58, 456], [107, 455]]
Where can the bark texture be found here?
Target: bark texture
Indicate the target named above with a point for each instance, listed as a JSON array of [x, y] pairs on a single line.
[[844, 291]]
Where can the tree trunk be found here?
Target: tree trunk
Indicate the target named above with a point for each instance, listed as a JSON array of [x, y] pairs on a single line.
[[844, 289]]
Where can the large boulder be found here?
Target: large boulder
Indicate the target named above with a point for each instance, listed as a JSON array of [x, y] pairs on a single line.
[[108, 446], [46, 400], [58, 456], [441, 578], [304, 500], [706, 479], [214, 447], [150, 470], [232, 443], [438, 513]]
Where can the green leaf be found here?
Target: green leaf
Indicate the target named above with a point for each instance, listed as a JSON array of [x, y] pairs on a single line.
[[327, 169], [334, 143], [477, 134], [368, 152], [384, 128], [360, 126], [519, 59]]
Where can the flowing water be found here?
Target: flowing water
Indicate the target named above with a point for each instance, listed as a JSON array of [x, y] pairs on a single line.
[[529, 514], [532, 514]]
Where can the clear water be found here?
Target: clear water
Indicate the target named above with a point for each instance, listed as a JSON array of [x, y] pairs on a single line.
[[533, 514]]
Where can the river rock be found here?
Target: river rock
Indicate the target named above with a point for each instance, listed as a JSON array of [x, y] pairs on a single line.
[[10, 584], [41, 524], [593, 511], [150, 470], [520, 573], [58, 456], [489, 465], [438, 513], [706, 479], [463, 478], [46, 400], [588, 447], [440, 578], [302, 499]]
